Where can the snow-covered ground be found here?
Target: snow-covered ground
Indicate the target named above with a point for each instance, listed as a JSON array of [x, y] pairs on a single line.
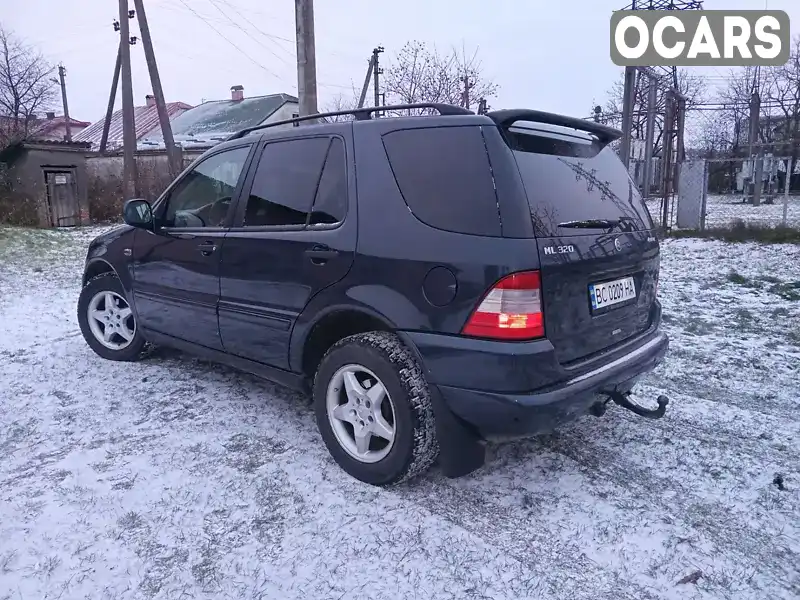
[[174, 478], [724, 210]]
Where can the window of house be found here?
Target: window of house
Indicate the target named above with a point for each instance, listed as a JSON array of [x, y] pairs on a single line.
[[286, 182], [202, 198]]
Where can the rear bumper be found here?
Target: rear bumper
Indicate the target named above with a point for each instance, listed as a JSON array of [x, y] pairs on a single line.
[[496, 410]]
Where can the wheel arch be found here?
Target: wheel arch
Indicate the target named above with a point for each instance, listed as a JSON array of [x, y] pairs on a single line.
[[95, 267], [329, 327]]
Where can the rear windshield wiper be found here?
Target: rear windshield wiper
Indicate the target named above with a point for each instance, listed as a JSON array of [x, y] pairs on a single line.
[[600, 224], [591, 224]]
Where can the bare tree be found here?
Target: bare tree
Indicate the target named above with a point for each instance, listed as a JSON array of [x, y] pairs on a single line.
[[26, 88], [420, 74], [691, 86], [783, 98], [338, 103]]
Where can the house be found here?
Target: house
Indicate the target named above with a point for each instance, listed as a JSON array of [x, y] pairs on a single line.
[[54, 129], [45, 183], [145, 120], [212, 122]]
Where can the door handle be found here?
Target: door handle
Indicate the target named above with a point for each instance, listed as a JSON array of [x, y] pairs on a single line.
[[207, 248], [319, 255]]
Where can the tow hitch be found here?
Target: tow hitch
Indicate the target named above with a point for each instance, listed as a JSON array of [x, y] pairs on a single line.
[[599, 408]]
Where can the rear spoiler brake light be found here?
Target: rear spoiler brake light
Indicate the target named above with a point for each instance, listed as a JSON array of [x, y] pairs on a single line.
[[506, 118]]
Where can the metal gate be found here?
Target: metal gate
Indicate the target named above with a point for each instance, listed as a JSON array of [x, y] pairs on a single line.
[[62, 198]]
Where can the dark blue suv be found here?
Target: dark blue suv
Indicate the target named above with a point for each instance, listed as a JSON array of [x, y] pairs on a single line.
[[435, 279]]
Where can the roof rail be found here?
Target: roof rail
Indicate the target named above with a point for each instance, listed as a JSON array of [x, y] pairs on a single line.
[[360, 114], [506, 118]]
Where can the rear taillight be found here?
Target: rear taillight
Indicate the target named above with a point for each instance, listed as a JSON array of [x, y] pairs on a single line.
[[512, 310]]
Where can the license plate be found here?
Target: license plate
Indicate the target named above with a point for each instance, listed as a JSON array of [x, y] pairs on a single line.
[[612, 292]]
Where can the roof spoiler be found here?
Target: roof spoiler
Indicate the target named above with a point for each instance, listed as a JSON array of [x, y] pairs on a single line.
[[506, 118]]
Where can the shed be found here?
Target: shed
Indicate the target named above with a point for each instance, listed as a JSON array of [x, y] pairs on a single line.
[[47, 181]]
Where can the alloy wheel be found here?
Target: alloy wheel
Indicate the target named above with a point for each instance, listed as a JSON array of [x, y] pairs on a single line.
[[111, 320], [361, 413]]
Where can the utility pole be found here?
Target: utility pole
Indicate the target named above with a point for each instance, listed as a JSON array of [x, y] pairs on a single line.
[[680, 124], [158, 92], [130, 179], [306, 57], [752, 137], [467, 88], [111, 99], [652, 98], [482, 110], [367, 79], [628, 99], [670, 116], [62, 73], [376, 73], [787, 184]]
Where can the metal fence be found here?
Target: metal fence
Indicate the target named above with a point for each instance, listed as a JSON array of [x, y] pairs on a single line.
[[721, 193]]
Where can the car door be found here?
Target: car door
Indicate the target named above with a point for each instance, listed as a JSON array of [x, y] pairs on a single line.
[[292, 237], [176, 266]]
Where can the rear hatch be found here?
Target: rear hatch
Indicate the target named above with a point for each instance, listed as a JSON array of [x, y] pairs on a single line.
[[598, 252]]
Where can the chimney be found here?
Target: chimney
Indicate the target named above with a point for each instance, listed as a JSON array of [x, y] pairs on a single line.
[[237, 93], [51, 116], [150, 100]]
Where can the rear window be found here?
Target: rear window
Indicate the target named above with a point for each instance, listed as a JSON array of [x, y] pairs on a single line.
[[444, 176], [571, 177]]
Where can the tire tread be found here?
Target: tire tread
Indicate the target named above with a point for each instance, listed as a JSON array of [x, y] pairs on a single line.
[[425, 448]]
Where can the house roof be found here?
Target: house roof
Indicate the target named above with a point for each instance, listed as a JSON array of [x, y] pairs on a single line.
[[145, 119], [50, 124], [10, 153], [42, 126], [218, 119]]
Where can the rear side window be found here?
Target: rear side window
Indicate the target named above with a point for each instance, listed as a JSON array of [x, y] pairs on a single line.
[[571, 178], [444, 176], [330, 204], [286, 182]]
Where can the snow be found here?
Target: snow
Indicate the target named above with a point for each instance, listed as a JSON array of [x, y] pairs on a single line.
[[724, 210], [173, 478]]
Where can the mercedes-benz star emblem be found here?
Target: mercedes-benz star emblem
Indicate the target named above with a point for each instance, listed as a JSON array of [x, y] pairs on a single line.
[[617, 245]]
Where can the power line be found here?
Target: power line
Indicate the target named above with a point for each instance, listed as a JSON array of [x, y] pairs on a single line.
[[273, 36], [220, 34], [207, 20], [247, 33]]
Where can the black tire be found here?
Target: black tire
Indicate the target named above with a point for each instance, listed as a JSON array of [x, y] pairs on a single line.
[[110, 283], [415, 447]]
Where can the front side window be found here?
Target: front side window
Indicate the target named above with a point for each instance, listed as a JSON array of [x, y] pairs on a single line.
[[203, 196]]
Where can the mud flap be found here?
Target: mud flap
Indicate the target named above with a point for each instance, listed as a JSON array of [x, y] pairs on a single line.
[[461, 451]]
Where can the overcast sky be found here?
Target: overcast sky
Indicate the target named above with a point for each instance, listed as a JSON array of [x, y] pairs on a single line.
[[550, 55]]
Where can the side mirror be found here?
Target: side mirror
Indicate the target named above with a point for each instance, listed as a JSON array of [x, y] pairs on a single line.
[[138, 213]]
